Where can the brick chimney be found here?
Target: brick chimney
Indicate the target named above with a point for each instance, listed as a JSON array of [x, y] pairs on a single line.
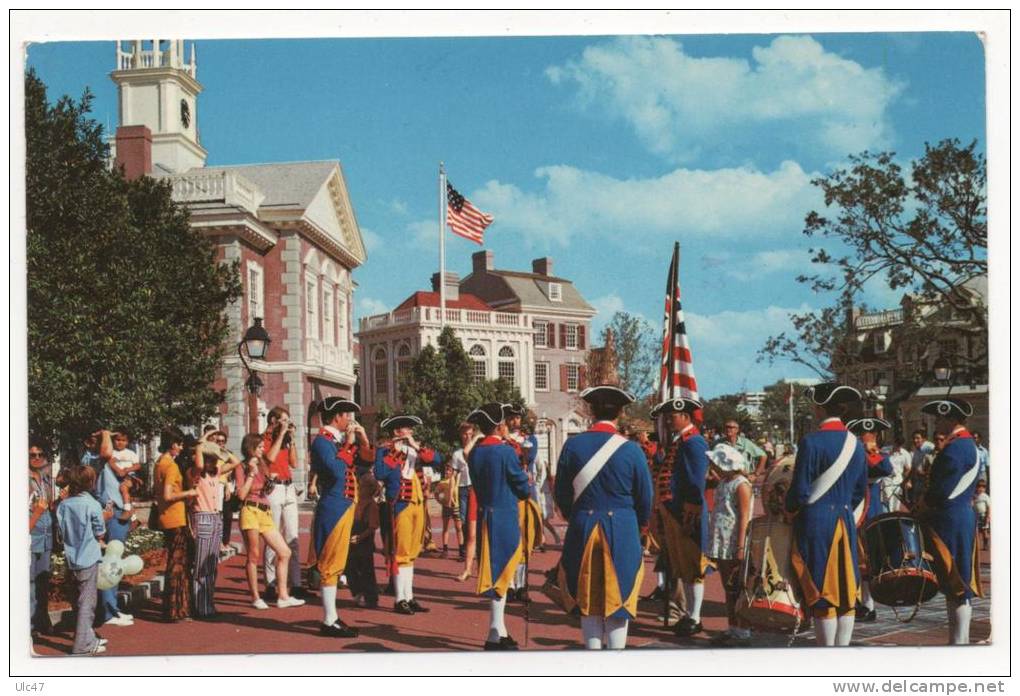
[[542, 266], [481, 261], [134, 151], [452, 285]]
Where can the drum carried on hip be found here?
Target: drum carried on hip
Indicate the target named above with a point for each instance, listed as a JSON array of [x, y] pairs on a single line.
[[777, 483], [900, 570], [770, 599]]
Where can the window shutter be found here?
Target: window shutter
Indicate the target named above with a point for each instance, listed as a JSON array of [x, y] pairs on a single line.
[[582, 377], [550, 334], [563, 378], [580, 337], [563, 335]]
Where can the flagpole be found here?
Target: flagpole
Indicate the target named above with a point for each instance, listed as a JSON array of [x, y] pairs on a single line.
[[442, 246], [791, 415]]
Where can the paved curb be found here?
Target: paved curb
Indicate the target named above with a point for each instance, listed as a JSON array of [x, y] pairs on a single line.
[[132, 597]]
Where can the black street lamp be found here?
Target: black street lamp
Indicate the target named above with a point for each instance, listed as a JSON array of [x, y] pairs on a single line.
[[256, 344], [943, 371]]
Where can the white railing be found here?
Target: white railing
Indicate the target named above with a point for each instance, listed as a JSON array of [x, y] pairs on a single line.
[[229, 187], [429, 316]]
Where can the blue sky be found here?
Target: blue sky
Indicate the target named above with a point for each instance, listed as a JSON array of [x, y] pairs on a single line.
[[597, 151]]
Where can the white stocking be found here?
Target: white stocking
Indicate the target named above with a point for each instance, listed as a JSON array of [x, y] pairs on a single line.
[[409, 590], [844, 629], [497, 627], [866, 599], [660, 579], [695, 596], [519, 577], [329, 605], [592, 628], [961, 623], [825, 631], [400, 583], [616, 633]]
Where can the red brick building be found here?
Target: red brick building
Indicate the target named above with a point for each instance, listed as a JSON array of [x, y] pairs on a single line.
[[290, 226]]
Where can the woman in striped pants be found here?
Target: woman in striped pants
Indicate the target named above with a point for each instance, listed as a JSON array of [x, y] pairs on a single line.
[[206, 521]]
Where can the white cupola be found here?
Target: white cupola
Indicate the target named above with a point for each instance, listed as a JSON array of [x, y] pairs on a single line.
[[157, 89]]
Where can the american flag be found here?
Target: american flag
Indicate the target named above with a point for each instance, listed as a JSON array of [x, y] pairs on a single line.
[[677, 377], [463, 218]]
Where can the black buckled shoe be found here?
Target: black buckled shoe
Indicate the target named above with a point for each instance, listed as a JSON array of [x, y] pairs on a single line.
[[417, 608], [339, 630], [504, 643], [404, 607], [686, 627], [866, 615], [657, 595]]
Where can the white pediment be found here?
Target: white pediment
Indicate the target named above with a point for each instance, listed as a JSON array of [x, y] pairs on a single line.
[[330, 210]]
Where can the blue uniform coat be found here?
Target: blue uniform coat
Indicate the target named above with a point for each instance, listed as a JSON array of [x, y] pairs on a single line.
[[953, 521], [825, 548], [601, 567], [499, 483]]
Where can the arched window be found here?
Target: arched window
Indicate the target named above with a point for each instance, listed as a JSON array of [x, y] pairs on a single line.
[[479, 366], [507, 364], [403, 358], [380, 370]]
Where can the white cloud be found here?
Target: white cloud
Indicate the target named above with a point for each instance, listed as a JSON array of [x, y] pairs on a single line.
[[732, 202], [606, 306], [762, 263], [725, 345], [371, 239], [677, 102], [367, 306]]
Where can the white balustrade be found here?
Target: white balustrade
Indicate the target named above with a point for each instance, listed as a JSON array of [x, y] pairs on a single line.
[[229, 187]]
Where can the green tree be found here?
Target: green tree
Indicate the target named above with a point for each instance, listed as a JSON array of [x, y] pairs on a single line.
[[723, 408], [926, 235], [438, 388], [775, 409], [637, 352], [126, 322]]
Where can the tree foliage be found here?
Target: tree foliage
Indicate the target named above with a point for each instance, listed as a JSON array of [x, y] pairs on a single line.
[[126, 303], [438, 388], [723, 408], [775, 409], [637, 352], [924, 235]]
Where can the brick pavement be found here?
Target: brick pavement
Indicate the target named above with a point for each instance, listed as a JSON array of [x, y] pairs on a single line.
[[458, 620]]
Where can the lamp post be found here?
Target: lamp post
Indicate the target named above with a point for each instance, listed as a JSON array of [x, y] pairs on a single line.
[[943, 370], [255, 343]]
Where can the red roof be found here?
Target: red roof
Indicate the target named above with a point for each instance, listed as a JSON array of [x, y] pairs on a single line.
[[431, 299]]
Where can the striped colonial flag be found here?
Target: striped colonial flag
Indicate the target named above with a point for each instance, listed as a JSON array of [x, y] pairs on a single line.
[[463, 218], [677, 376]]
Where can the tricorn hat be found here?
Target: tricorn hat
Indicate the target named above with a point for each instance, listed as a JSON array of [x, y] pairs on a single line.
[[337, 404], [511, 411], [400, 422], [487, 415], [832, 393], [677, 405], [954, 408], [607, 394], [859, 426]]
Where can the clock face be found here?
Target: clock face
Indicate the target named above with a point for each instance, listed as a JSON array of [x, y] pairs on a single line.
[[185, 113]]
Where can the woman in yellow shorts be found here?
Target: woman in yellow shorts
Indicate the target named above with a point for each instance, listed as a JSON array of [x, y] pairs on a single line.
[[252, 488]]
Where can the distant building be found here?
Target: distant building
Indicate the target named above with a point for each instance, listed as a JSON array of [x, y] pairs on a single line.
[[751, 403], [561, 321], [290, 226], [895, 352], [498, 343]]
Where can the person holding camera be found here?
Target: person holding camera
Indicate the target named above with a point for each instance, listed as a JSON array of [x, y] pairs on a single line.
[[254, 485], [280, 456]]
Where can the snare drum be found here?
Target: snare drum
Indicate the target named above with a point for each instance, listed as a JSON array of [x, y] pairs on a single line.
[[900, 570], [771, 598]]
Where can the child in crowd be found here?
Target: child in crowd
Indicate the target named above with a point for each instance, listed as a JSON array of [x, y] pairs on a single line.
[[360, 570], [983, 510], [81, 522], [447, 494], [131, 487], [728, 533]]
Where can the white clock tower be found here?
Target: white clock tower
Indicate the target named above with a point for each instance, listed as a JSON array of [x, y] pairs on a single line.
[[158, 90]]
